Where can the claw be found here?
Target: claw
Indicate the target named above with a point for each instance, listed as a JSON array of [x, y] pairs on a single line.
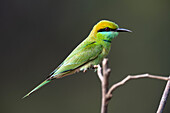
[[84, 70], [95, 66]]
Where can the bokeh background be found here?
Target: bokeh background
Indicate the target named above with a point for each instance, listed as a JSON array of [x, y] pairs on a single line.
[[37, 35]]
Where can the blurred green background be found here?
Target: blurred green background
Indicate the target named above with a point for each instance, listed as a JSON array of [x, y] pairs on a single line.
[[37, 35]]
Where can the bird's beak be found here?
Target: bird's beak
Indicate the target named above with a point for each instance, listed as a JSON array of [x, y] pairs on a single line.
[[123, 30]]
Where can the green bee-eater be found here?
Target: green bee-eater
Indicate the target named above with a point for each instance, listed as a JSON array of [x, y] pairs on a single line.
[[88, 53]]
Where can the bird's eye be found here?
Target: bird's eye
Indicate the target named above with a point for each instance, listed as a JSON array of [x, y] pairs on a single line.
[[106, 29]]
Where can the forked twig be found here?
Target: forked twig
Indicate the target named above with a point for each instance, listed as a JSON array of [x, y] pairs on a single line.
[[107, 93]]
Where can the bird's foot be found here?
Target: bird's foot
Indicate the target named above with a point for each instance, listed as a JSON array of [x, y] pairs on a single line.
[[84, 70], [95, 67]]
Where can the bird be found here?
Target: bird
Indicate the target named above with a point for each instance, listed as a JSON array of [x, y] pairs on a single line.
[[88, 53]]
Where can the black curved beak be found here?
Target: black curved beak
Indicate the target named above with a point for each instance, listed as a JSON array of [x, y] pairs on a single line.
[[123, 30]]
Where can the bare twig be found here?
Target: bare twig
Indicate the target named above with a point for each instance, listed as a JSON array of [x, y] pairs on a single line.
[[105, 83], [164, 97], [129, 77], [107, 94], [99, 73]]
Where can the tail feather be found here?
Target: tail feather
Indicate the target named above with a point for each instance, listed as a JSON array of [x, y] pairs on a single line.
[[36, 88]]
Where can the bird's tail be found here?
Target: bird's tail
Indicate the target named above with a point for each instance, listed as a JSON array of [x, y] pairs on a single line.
[[36, 88]]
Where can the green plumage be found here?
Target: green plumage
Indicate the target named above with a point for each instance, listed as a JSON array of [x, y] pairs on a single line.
[[88, 53]]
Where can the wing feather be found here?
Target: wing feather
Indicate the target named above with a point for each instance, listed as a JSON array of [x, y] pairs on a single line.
[[79, 58]]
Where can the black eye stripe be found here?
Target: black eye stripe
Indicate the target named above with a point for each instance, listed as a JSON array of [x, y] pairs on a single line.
[[106, 29]]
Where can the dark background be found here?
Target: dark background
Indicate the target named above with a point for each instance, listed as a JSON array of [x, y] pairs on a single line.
[[37, 35]]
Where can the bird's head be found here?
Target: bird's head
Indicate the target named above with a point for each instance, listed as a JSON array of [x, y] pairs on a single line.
[[107, 29]]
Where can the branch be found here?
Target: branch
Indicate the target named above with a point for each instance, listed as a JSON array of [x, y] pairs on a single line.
[[107, 94], [130, 77], [104, 83], [164, 97], [99, 73]]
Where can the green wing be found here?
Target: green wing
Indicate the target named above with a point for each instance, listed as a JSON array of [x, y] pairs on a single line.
[[79, 57]]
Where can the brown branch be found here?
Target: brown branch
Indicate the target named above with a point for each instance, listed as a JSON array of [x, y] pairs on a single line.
[[107, 94], [164, 97]]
